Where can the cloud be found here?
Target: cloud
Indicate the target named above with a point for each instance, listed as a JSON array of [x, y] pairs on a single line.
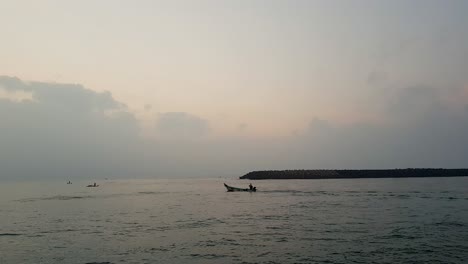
[[13, 84], [180, 125], [377, 77], [425, 130], [66, 130], [147, 107], [414, 100], [242, 126]]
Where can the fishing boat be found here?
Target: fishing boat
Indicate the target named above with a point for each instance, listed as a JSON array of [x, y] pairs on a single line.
[[236, 189]]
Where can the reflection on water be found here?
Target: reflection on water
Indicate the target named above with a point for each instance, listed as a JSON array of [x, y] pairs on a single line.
[[197, 221]]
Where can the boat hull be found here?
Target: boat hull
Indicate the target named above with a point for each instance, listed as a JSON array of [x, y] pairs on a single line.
[[236, 189]]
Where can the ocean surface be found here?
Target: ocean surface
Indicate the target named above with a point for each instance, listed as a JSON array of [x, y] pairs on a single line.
[[413, 220]]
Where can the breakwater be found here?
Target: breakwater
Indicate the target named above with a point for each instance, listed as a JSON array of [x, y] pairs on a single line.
[[353, 174]]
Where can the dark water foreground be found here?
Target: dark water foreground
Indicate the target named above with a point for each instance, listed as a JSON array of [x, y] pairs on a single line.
[[353, 174], [411, 220]]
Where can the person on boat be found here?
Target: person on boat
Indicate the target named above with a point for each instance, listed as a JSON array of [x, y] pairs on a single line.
[[94, 184], [250, 186]]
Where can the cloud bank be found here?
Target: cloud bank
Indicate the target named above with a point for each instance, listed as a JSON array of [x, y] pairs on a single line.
[[67, 131]]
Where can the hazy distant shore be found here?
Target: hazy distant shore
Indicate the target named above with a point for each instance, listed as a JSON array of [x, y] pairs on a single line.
[[353, 174]]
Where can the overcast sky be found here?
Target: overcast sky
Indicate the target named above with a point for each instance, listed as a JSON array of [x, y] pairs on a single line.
[[218, 88]]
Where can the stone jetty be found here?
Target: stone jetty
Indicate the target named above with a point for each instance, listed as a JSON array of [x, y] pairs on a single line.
[[353, 174]]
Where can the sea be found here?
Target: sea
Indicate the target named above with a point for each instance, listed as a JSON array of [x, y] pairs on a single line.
[[405, 220]]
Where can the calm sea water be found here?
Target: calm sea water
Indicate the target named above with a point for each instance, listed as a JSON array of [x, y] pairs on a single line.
[[197, 221]]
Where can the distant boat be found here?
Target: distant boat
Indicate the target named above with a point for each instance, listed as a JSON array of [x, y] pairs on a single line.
[[93, 185], [236, 189]]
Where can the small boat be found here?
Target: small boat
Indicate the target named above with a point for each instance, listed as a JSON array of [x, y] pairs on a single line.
[[236, 189], [93, 185]]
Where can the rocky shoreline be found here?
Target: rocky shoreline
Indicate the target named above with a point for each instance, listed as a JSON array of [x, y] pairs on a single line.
[[353, 174]]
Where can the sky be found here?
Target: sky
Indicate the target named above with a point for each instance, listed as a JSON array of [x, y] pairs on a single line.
[[219, 88]]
